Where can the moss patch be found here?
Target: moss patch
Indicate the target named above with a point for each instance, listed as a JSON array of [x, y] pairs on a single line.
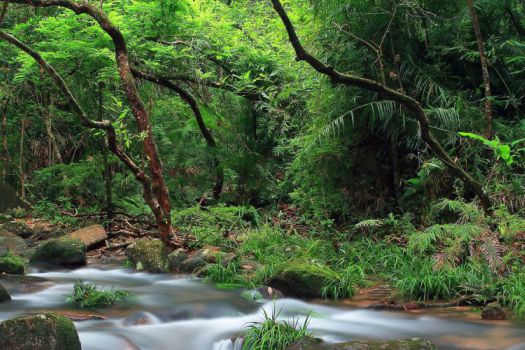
[[39, 332], [303, 279], [149, 255]]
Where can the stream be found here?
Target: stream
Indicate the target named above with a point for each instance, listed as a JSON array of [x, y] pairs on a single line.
[[185, 313]]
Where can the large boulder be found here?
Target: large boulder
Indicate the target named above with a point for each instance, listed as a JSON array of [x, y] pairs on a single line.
[[404, 344], [11, 243], [149, 255], [9, 199], [4, 295], [91, 235], [18, 228], [46, 331], [64, 252], [493, 312], [12, 264], [302, 279]]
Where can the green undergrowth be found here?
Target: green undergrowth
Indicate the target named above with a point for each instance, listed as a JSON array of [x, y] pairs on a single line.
[[90, 295], [454, 252], [275, 334]]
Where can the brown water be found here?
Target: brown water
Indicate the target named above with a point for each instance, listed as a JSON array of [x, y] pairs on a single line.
[[179, 313]]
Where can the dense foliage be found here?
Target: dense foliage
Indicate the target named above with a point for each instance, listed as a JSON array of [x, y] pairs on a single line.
[[275, 162]]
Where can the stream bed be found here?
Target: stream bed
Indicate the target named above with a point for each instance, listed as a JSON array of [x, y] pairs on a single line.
[[170, 312]]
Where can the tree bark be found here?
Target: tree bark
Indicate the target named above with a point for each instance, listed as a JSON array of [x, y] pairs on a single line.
[[206, 133], [5, 151], [107, 167], [149, 189], [21, 171], [406, 101], [54, 151], [489, 130], [158, 199]]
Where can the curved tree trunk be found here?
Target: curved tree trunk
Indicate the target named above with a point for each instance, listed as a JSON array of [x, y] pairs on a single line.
[[156, 194], [205, 132], [404, 100], [148, 184]]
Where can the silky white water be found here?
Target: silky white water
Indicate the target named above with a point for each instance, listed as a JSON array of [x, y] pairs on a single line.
[[170, 312]]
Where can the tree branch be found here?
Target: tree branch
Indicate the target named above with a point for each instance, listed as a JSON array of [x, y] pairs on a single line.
[[406, 101]]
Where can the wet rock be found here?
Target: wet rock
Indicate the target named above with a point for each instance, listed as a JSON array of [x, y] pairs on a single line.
[[493, 312], [12, 264], [176, 258], [193, 264], [149, 255], [302, 279], [20, 229], [309, 343], [90, 236], [64, 252], [13, 244], [46, 331], [4, 295], [262, 294], [141, 318], [79, 316], [9, 199], [270, 293]]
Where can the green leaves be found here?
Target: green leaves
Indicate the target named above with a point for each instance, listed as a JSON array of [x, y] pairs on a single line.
[[501, 150]]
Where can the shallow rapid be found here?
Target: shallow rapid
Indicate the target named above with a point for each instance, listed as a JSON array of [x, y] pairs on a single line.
[[170, 312]]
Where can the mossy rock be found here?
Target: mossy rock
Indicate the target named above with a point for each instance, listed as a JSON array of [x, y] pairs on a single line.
[[149, 255], [493, 312], [18, 228], [302, 279], [12, 264], [10, 243], [64, 251], [4, 295], [309, 343], [176, 258], [46, 331]]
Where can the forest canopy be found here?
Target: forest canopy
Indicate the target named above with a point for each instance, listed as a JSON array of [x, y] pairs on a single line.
[[396, 123]]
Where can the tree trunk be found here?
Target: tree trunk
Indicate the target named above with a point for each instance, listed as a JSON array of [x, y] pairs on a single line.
[[107, 167], [5, 151], [54, 151], [154, 189], [21, 171], [205, 132], [489, 129]]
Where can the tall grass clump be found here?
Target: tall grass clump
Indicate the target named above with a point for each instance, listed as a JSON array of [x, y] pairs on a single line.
[[91, 295], [273, 334]]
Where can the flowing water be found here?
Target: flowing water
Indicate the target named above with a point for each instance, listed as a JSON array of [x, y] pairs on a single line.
[[170, 312]]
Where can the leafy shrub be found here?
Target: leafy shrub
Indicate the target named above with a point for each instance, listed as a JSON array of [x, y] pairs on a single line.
[[90, 295], [212, 225], [274, 334], [513, 292]]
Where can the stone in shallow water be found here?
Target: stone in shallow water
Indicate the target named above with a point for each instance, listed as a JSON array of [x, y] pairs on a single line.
[[64, 252], [46, 331], [493, 312], [4, 295], [149, 255], [309, 343]]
